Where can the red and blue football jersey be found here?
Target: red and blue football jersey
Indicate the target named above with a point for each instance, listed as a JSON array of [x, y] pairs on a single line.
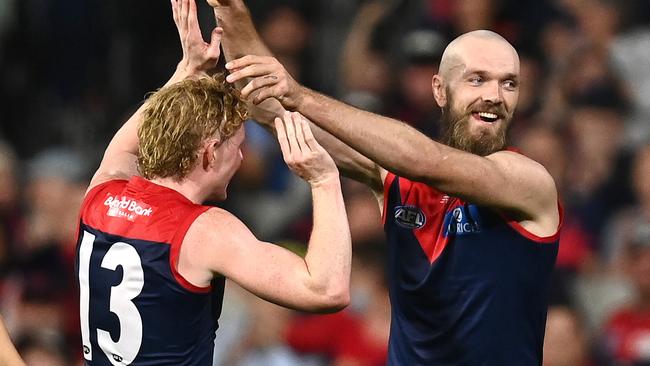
[[136, 309], [467, 284]]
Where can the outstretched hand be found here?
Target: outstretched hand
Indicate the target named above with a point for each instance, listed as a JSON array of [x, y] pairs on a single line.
[[198, 55], [269, 78], [302, 153]]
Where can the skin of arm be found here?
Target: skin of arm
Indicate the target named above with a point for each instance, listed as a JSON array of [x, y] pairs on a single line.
[[350, 162], [199, 57], [504, 180], [219, 244], [241, 38]]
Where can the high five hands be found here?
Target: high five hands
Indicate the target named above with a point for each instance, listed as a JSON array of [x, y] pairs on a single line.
[[268, 78]]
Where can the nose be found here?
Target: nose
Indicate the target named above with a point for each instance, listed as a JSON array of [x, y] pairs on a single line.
[[241, 155], [493, 93]]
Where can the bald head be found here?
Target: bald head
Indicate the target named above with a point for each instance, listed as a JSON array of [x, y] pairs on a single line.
[[477, 90], [467, 46]]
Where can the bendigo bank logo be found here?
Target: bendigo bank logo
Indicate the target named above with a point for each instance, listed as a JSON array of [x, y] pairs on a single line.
[[127, 208], [409, 217], [462, 220]]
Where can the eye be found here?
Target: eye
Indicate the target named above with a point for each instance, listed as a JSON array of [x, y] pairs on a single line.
[[510, 84], [476, 80]]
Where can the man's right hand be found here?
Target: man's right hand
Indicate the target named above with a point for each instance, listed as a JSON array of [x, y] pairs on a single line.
[[302, 153], [269, 79], [199, 57]]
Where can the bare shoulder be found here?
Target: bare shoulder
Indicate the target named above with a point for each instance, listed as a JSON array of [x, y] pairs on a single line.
[[522, 169], [516, 160], [219, 231], [535, 188], [218, 223], [215, 239]]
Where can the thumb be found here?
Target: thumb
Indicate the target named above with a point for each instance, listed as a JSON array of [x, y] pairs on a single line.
[[215, 42]]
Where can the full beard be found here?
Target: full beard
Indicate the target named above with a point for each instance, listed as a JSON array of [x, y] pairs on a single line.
[[456, 133]]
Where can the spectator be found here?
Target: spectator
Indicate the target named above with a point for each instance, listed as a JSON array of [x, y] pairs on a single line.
[[628, 331], [566, 341]]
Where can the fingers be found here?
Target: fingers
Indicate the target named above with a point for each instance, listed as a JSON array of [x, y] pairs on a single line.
[[296, 120], [309, 136], [246, 61], [291, 135], [258, 83], [183, 13], [282, 139], [213, 50], [175, 11], [251, 70], [192, 19], [271, 92]]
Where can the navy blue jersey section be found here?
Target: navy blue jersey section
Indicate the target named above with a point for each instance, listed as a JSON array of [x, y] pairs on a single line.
[[176, 326], [466, 287]]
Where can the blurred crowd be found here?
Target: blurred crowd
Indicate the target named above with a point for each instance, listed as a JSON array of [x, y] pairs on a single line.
[[72, 71]]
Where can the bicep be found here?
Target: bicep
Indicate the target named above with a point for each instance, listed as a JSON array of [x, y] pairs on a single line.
[[503, 180], [265, 269]]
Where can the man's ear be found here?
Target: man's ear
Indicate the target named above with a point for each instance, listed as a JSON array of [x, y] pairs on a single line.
[[210, 153], [439, 91]]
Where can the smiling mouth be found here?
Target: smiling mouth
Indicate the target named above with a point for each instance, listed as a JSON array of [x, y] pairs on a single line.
[[486, 116]]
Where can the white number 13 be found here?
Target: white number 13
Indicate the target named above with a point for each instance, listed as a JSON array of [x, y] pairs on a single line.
[[124, 351]]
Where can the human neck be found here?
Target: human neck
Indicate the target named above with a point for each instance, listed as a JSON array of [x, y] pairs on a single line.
[[188, 187]]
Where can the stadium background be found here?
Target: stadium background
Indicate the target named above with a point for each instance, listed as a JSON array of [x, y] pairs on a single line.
[[72, 71]]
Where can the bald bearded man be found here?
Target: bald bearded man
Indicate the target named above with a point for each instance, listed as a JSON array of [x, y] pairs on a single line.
[[472, 227]]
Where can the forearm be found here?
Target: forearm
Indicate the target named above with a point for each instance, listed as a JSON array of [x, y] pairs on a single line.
[[240, 36], [120, 157], [329, 254], [126, 138], [349, 162], [389, 143]]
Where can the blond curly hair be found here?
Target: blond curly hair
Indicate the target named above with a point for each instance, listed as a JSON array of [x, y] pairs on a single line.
[[179, 118]]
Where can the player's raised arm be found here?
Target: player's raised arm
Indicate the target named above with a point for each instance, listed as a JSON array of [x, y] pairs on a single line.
[[318, 282], [119, 161], [469, 166], [241, 38]]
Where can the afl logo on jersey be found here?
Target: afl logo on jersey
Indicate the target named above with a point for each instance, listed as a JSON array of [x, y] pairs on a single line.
[[409, 217]]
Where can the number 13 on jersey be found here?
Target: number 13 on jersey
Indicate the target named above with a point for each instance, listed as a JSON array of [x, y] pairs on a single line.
[[121, 296]]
